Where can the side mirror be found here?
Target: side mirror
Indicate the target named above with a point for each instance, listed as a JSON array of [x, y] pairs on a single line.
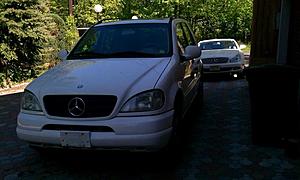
[[243, 46], [192, 52], [62, 54]]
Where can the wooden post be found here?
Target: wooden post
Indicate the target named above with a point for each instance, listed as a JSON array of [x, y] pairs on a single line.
[[254, 31], [284, 25]]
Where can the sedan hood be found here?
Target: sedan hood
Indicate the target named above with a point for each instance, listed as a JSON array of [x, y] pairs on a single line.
[[229, 53], [100, 76]]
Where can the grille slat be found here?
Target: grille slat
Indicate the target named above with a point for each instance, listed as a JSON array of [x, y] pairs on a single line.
[[214, 60], [59, 127], [95, 105]]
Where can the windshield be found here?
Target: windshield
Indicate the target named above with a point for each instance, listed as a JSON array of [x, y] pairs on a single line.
[[123, 41], [218, 45]]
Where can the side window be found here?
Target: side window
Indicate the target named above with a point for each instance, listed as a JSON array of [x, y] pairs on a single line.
[[184, 36], [188, 34], [181, 42]]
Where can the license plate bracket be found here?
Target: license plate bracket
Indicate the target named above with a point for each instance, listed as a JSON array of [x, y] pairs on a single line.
[[214, 68], [81, 139]]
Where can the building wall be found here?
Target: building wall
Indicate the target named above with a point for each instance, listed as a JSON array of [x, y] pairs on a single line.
[[264, 31], [294, 35], [265, 36]]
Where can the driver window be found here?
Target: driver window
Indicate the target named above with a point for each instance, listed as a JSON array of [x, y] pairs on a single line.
[[189, 37]]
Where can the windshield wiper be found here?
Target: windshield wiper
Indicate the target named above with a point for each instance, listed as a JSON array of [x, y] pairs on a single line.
[[132, 54], [87, 54], [126, 54]]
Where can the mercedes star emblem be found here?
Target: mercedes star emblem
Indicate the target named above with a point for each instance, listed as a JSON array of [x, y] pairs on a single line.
[[76, 107], [80, 86]]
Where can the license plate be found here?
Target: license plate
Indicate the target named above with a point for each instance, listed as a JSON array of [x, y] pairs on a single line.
[[214, 68], [75, 139]]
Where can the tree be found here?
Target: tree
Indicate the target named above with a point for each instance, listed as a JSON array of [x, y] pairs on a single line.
[[60, 8], [33, 31], [209, 18], [85, 15], [24, 29]]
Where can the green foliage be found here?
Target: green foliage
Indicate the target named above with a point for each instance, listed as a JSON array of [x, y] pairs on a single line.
[[209, 18], [33, 31], [23, 32], [71, 34], [86, 16], [247, 49], [229, 19], [68, 34], [30, 37], [60, 8]]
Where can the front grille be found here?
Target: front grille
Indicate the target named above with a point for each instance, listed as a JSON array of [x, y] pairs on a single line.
[[214, 60], [58, 127], [94, 105]]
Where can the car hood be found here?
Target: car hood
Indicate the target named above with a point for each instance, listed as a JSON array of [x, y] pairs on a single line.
[[229, 53], [100, 76]]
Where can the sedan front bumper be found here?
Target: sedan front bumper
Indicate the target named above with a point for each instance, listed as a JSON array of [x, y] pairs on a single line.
[[223, 68]]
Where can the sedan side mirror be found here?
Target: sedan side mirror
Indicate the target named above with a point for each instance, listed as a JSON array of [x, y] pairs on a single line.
[[192, 52], [62, 54], [243, 46]]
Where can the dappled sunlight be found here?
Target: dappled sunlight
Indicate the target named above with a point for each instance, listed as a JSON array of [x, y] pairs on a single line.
[[14, 89]]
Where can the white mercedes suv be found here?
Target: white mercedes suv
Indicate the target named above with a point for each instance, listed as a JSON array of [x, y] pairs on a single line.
[[125, 85]]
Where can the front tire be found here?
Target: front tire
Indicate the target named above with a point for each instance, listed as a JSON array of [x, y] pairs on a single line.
[[175, 135], [200, 95]]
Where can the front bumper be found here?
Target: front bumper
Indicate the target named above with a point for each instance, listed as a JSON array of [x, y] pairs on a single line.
[[146, 133], [223, 68]]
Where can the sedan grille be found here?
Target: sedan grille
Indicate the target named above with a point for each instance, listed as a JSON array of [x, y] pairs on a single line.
[[214, 60], [79, 106]]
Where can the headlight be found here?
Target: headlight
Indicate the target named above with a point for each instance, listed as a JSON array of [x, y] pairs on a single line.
[[30, 104], [146, 101], [236, 58]]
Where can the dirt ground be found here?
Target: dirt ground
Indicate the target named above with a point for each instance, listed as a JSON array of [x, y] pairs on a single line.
[[15, 89]]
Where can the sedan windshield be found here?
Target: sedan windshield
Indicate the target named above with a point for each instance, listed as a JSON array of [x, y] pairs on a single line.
[[124, 41], [218, 45]]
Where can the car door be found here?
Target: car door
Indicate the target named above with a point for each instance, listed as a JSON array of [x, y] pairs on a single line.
[[196, 63], [187, 65]]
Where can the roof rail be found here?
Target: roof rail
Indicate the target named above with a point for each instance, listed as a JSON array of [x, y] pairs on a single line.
[[171, 19]]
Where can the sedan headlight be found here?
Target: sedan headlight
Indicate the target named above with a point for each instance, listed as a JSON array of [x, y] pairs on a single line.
[[236, 58], [145, 101], [30, 104]]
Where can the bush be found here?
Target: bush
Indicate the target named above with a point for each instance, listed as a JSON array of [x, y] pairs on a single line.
[[30, 38], [23, 34], [63, 35], [71, 33]]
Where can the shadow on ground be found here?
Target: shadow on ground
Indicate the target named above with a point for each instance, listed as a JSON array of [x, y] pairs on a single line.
[[163, 162], [221, 77], [216, 144]]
